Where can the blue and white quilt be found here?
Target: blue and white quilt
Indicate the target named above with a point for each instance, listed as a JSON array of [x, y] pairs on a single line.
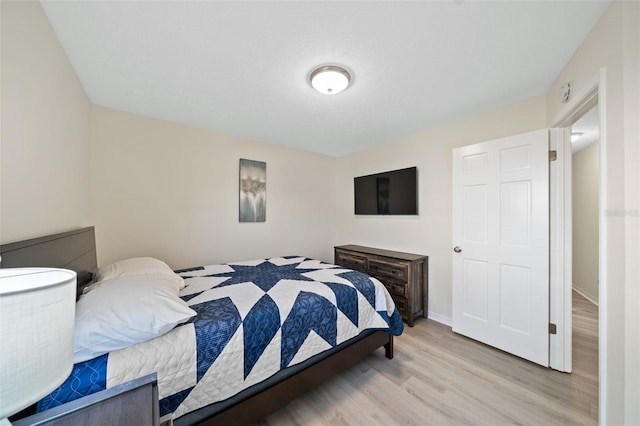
[[253, 319]]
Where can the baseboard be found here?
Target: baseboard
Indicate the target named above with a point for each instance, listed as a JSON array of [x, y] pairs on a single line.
[[440, 318], [586, 296]]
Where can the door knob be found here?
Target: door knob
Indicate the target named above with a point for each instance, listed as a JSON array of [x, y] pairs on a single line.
[[457, 249]]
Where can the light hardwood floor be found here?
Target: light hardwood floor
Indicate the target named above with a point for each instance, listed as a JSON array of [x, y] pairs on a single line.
[[440, 378]]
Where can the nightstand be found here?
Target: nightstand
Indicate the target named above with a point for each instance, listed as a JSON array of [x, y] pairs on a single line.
[[134, 403]]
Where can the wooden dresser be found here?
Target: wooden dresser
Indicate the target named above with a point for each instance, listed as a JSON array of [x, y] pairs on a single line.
[[405, 275]]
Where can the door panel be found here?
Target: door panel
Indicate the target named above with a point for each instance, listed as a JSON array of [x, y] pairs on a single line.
[[475, 225], [501, 225], [476, 294], [515, 217], [515, 294]]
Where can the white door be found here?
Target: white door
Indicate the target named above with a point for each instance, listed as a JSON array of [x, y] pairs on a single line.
[[501, 244]]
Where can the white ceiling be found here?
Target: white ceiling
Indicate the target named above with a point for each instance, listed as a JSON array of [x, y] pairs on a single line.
[[242, 67]]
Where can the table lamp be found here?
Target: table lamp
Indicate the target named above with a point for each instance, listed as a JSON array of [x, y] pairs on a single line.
[[37, 313]]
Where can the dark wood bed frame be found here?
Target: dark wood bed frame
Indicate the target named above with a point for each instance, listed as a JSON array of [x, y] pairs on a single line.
[[76, 250]]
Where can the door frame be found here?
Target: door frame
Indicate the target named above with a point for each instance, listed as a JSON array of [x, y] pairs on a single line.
[[560, 250], [561, 240]]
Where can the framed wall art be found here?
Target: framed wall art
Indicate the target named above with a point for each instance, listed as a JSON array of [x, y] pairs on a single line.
[[253, 191]]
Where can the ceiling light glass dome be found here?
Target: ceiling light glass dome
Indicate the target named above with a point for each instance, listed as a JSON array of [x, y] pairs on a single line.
[[330, 80]]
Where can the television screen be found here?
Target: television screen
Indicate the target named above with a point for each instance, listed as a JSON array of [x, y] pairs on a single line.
[[388, 193]]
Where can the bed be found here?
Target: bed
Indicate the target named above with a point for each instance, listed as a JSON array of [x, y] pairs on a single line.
[[237, 379]]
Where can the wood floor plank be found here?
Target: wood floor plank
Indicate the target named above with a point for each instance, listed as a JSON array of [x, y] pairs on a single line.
[[440, 378]]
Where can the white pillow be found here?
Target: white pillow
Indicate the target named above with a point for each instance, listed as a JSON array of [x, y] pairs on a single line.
[[125, 311], [137, 266]]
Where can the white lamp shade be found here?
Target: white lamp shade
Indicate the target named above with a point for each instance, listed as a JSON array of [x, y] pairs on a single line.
[[37, 312], [330, 80]]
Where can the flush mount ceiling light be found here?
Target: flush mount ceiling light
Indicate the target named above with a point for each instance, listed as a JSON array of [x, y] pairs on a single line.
[[575, 136], [329, 80]]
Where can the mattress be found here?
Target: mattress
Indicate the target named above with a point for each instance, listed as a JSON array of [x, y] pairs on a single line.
[[254, 320]]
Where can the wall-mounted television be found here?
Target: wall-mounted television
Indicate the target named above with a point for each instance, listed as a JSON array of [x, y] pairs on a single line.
[[388, 193]]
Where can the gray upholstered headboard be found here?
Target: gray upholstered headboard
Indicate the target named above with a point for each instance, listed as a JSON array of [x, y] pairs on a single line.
[[75, 250]]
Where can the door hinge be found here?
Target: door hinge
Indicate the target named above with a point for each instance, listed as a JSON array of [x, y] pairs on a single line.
[[552, 329], [553, 155]]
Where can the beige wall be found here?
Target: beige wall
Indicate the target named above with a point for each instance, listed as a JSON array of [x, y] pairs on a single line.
[[169, 190], [44, 165], [612, 46], [430, 232], [586, 213], [631, 67]]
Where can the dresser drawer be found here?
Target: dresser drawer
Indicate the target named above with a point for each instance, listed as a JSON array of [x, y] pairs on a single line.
[[351, 261], [402, 305], [380, 268], [395, 288]]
